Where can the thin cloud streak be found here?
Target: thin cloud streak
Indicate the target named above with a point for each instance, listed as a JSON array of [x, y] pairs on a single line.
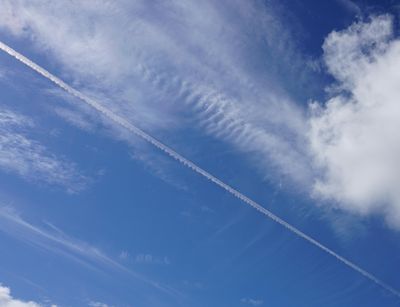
[[58, 242], [30, 159], [169, 151]]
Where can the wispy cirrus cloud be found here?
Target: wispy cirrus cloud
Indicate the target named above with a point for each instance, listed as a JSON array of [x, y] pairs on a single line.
[[123, 123], [53, 240], [160, 63], [75, 118], [130, 53], [28, 158], [283, 153]]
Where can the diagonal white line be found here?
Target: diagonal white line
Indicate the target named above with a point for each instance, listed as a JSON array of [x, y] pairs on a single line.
[[169, 151]]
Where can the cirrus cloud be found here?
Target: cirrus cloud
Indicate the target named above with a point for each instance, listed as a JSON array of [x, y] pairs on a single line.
[[158, 63], [22, 155]]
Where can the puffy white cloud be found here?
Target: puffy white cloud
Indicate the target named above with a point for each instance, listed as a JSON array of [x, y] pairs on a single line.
[[30, 159], [6, 300], [355, 137]]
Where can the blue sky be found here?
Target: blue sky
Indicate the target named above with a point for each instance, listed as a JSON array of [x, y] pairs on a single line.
[[292, 103]]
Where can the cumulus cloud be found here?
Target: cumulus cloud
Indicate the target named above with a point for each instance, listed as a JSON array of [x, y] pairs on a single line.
[[6, 300], [30, 159], [156, 64], [355, 136]]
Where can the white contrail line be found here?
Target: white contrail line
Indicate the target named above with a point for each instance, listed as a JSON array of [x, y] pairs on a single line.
[[169, 151]]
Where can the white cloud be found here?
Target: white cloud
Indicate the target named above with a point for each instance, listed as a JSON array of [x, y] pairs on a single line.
[[156, 63], [9, 118], [6, 300], [30, 159], [355, 136], [252, 302]]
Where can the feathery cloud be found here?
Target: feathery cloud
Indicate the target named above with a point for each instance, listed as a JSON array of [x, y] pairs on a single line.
[[31, 160], [158, 77]]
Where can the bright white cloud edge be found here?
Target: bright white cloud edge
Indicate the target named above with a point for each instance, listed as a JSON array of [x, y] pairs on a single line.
[[355, 136], [6, 300]]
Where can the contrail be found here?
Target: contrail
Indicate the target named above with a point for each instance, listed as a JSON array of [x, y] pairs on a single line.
[[169, 151]]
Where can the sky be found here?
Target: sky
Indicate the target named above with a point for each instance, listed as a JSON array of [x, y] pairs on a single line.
[[199, 153]]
